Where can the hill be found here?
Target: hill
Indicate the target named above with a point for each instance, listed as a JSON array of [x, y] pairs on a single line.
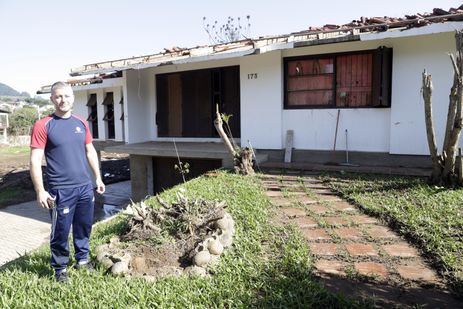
[[6, 90]]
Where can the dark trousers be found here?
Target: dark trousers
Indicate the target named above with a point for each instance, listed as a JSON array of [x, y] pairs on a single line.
[[73, 206]]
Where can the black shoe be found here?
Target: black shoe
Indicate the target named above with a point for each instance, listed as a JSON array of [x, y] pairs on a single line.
[[87, 266], [62, 277]]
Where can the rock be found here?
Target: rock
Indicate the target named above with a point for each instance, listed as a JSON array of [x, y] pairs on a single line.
[[101, 255], [107, 262], [195, 271], [101, 248], [202, 258], [120, 268], [215, 247], [126, 257]]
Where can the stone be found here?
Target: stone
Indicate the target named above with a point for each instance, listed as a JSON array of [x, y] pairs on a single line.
[[319, 209], [371, 268], [348, 233], [101, 249], [400, 250], [107, 262], [343, 206], [416, 272], [381, 232], [333, 221], [274, 193], [363, 219], [294, 212], [304, 222], [315, 234], [120, 268], [330, 267], [195, 271], [329, 249], [361, 250], [202, 258]]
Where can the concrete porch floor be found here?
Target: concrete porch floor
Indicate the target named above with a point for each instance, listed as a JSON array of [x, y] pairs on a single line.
[[142, 171]]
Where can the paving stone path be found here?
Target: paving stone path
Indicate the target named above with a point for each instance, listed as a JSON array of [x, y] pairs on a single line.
[[343, 240]]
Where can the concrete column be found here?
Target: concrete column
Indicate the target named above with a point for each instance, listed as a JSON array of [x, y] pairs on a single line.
[[119, 136], [100, 95], [141, 177]]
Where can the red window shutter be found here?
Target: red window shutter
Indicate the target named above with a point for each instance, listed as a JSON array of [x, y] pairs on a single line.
[[353, 80]]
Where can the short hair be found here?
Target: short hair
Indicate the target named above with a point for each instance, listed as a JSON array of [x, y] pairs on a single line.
[[59, 85]]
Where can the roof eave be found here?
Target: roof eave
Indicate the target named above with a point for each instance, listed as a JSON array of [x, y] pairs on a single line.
[[121, 65]]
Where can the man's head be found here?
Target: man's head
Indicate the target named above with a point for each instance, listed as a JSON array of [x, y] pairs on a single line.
[[62, 97]]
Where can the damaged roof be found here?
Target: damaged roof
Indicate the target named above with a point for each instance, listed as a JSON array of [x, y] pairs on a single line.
[[312, 36]]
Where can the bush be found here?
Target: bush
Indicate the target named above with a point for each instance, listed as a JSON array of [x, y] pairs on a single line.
[[22, 120]]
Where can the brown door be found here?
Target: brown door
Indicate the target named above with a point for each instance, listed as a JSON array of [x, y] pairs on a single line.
[[186, 102]]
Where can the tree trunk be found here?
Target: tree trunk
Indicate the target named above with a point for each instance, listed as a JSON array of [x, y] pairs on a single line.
[[427, 96], [445, 169], [242, 158]]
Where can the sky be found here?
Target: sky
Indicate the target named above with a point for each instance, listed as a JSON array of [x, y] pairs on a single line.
[[41, 41]]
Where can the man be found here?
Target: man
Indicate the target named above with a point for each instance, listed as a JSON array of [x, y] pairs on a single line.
[[65, 141]]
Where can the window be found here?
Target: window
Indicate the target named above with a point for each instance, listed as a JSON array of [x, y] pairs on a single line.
[[360, 79], [93, 115], [109, 115]]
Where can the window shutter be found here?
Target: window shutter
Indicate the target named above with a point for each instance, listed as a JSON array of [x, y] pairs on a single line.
[[108, 99], [382, 77], [92, 100]]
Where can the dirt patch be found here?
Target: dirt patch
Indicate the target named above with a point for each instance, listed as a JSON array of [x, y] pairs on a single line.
[[185, 237], [15, 175]]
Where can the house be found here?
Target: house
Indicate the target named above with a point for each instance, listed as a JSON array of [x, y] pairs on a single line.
[[4, 124], [351, 89]]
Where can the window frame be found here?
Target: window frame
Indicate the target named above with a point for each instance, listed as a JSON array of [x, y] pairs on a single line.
[[334, 56]]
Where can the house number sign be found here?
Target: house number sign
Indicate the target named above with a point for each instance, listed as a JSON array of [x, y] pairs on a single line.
[[252, 76]]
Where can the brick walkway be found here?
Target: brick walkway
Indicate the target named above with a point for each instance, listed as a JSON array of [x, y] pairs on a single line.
[[343, 241]]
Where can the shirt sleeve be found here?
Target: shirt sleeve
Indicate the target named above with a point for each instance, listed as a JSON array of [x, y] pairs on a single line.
[[39, 135], [88, 135]]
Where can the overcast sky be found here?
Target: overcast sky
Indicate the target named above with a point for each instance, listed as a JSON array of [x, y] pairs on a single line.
[[42, 40]]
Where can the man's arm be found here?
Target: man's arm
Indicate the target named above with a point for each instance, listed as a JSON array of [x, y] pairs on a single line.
[[37, 179], [92, 158]]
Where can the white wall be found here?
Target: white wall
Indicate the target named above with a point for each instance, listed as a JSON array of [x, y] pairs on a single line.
[[261, 100], [82, 94], [139, 106], [367, 129], [411, 57]]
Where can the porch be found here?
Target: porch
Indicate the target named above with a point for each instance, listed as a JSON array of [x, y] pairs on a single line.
[[152, 163]]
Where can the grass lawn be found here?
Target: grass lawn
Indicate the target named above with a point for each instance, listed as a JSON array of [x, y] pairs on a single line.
[[14, 150], [431, 217], [266, 267]]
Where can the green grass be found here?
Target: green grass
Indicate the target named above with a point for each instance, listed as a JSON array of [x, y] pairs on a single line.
[[267, 267], [432, 217], [14, 150], [9, 194]]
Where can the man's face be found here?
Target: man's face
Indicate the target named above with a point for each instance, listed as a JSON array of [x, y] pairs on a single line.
[[63, 99]]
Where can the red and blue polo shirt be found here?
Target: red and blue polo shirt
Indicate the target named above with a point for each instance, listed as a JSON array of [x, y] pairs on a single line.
[[64, 141]]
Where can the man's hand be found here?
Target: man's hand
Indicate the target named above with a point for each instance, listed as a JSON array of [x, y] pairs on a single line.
[[100, 186], [45, 200]]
